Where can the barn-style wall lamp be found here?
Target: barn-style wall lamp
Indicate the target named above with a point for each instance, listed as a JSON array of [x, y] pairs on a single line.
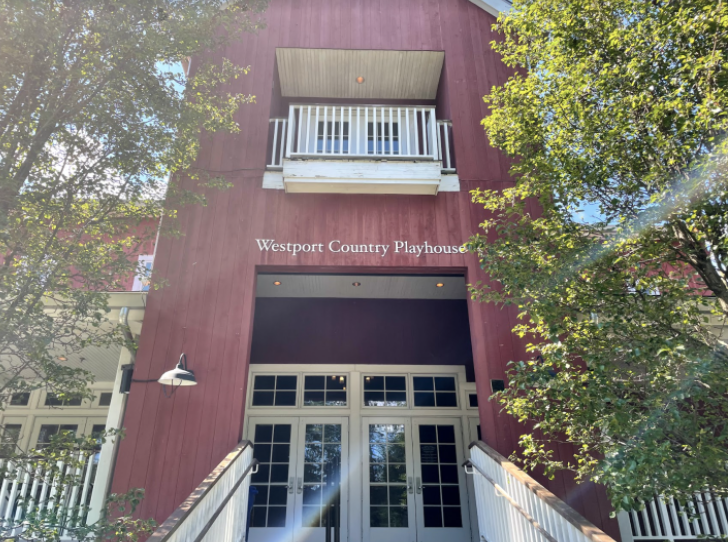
[[176, 378], [179, 376]]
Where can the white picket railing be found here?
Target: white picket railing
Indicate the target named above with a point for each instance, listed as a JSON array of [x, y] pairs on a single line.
[[218, 509], [665, 520], [360, 132], [444, 140], [512, 506], [279, 143], [61, 494]]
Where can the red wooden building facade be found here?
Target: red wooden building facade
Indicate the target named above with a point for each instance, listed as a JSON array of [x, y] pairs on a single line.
[[209, 308]]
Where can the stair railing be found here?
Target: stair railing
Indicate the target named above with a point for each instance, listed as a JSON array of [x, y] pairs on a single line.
[[513, 506], [218, 509]]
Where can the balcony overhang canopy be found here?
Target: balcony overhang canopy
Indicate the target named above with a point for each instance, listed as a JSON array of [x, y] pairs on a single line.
[[333, 73], [494, 7]]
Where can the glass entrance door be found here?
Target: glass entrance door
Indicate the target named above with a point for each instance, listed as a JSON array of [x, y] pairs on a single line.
[[440, 485], [299, 480], [414, 490], [321, 468], [272, 517], [388, 496]]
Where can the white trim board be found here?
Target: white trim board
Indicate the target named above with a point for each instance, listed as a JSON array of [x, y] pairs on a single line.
[[353, 180], [494, 7], [273, 180], [362, 176]]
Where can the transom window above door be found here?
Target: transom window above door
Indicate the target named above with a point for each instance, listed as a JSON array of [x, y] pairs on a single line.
[[324, 390], [435, 391], [376, 390], [275, 390], [385, 391]]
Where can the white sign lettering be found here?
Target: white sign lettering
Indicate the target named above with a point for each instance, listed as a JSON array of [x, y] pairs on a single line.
[[337, 246]]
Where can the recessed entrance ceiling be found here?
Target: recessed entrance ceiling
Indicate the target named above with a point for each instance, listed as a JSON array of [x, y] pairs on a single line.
[[333, 73], [362, 286]]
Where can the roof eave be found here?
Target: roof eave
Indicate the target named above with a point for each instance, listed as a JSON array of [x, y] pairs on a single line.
[[494, 7]]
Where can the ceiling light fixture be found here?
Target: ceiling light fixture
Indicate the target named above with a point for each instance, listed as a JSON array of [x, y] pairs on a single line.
[[360, 79], [277, 283], [356, 283], [440, 284], [63, 358]]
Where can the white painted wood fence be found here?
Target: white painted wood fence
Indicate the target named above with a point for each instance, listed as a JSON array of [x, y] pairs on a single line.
[[512, 506], [665, 520], [62, 494], [361, 131], [217, 511]]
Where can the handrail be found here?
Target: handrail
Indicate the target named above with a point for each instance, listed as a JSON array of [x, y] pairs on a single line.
[[251, 469], [585, 527], [512, 502], [184, 510]]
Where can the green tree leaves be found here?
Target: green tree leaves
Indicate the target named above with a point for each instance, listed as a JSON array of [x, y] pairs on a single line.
[[94, 120], [621, 106]]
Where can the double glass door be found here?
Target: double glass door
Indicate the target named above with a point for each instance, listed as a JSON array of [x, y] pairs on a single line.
[[299, 478], [405, 472], [414, 488]]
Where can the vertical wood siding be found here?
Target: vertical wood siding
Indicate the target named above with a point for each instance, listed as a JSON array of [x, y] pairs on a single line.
[[207, 308]]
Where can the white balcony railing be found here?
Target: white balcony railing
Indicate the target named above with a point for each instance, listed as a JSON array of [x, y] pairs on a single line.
[[361, 132], [278, 147], [61, 496], [513, 506], [444, 138]]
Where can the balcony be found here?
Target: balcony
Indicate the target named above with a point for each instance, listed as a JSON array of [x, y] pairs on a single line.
[[361, 149]]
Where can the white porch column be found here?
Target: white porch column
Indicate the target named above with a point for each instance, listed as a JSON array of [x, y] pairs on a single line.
[[114, 420]]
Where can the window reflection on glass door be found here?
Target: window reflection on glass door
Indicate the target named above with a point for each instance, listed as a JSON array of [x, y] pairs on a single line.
[[321, 480], [414, 488], [322, 460], [301, 468], [387, 476], [388, 492]]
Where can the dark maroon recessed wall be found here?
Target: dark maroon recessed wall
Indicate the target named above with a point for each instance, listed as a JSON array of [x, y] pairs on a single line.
[[376, 331]]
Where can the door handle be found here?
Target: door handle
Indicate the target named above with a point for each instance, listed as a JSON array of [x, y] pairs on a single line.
[[419, 485], [290, 485], [409, 484], [300, 486]]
